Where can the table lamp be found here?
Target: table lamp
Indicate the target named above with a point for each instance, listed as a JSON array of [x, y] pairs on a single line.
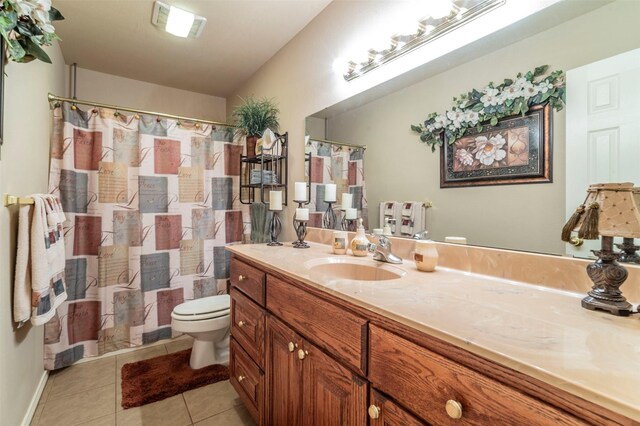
[[610, 210]]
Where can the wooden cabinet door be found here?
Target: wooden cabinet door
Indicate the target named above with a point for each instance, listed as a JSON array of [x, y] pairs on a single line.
[[332, 395], [283, 372], [384, 412]]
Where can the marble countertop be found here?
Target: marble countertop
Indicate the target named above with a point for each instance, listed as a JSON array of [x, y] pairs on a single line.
[[539, 331]]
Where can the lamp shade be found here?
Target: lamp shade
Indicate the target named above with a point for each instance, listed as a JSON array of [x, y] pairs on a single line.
[[618, 207]]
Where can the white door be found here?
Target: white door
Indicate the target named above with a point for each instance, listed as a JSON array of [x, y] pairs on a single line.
[[603, 129]]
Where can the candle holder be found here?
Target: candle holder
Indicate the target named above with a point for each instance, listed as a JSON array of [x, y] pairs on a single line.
[[301, 232], [275, 226], [349, 224], [629, 251], [300, 227], [329, 218]]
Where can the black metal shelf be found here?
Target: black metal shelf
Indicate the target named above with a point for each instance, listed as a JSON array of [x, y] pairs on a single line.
[[274, 159]]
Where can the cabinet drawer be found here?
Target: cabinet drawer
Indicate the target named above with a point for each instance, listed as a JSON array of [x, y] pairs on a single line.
[[424, 382], [339, 332], [247, 379], [247, 325], [248, 279], [383, 411]]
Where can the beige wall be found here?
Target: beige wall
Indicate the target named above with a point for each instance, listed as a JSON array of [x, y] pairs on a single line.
[[111, 89], [300, 77], [24, 169], [399, 167]]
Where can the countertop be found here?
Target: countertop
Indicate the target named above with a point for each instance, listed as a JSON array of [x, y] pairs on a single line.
[[539, 331]]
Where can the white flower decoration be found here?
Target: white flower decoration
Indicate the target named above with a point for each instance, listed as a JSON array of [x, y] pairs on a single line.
[[472, 117], [545, 86], [488, 151], [440, 121], [456, 118]]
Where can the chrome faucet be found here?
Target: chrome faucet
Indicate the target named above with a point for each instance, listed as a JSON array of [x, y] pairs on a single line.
[[382, 250], [420, 235]]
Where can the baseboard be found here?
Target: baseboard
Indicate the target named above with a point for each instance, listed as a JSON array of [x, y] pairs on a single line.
[[36, 398]]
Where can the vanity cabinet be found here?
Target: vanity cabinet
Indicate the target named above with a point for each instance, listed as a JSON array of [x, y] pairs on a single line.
[[306, 386], [321, 359]]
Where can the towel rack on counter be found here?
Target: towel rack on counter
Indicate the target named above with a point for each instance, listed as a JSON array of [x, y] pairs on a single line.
[[10, 200]]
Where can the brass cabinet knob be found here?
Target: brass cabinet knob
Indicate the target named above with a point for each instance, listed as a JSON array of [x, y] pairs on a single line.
[[242, 277], [302, 354], [454, 409], [241, 378], [241, 324], [374, 411], [291, 346], [576, 241]]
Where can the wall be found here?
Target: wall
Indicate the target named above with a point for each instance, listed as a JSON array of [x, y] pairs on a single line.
[[301, 79], [114, 90], [24, 169], [525, 217], [315, 87]]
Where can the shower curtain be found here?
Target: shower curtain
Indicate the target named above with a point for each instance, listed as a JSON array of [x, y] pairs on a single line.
[[151, 204], [343, 166]]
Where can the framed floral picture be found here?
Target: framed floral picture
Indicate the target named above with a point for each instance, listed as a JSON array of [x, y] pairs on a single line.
[[516, 150]]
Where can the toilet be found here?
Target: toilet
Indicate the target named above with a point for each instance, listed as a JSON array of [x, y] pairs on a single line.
[[208, 321]]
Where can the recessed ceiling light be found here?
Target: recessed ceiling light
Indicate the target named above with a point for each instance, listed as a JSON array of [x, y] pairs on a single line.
[[177, 21]]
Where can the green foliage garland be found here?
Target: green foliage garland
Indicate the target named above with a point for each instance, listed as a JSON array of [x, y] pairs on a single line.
[[25, 25], [479, 108]]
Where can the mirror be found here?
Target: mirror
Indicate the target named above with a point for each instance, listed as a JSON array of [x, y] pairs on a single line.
[[397, 166]]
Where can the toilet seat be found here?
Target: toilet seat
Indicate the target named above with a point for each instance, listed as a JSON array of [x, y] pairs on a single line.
[[203, 309]]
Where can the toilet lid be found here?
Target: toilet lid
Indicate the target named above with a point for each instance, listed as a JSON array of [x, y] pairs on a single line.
[[204, 305]]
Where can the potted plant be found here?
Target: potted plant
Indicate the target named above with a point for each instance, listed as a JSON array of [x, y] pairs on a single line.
[[252, 117]]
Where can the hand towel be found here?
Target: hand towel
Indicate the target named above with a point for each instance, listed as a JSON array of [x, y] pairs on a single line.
[[411, 217], [39, 285]]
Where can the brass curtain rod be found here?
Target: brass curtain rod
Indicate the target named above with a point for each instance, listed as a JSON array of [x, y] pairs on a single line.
[[338, 143], [53, 98]]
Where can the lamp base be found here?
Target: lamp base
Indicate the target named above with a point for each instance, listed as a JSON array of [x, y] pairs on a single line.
[[607, 276]]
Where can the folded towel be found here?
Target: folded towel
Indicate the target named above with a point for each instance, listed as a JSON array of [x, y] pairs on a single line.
[[39, 285], [389, 208], [407, 209], [260, 218]]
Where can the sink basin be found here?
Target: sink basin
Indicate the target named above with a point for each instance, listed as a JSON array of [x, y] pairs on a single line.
[[353, 269]]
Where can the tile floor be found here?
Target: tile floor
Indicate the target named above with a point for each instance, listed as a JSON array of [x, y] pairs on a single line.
[[90, 394]]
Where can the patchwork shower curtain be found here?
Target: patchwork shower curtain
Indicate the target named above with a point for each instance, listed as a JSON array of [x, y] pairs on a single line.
[[343, 166], [151, 204]]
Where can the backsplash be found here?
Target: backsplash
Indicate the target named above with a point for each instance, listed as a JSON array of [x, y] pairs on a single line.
[[563, 273]]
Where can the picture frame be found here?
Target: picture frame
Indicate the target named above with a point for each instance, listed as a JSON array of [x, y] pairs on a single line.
[[517, 150]]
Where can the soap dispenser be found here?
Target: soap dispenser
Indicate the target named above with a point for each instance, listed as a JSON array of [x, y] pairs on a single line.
[[386, 231], [360, 243]]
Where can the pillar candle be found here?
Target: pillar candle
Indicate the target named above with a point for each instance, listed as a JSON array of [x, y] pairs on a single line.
[[275, 200], [300, 193], [347, 200], [302, 214], [351, 213], [330, 193]]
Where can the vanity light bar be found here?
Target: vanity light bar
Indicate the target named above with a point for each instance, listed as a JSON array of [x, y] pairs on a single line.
[[402, 44]]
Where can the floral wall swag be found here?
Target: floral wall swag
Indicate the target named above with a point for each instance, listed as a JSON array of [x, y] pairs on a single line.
[[25, 25], [479, 108]]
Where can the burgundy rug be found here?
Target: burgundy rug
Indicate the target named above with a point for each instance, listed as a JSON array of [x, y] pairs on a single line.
[[158, 378]]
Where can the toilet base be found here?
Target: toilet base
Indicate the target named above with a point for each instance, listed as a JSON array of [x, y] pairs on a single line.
[[206, 352]]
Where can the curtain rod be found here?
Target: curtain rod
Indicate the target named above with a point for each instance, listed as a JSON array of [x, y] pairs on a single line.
[[53, 98], [338, 143]]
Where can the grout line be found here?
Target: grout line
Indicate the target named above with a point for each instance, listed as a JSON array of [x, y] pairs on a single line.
[[187, 405]]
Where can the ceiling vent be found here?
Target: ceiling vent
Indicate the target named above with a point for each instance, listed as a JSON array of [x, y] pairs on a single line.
[[160, 18]]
